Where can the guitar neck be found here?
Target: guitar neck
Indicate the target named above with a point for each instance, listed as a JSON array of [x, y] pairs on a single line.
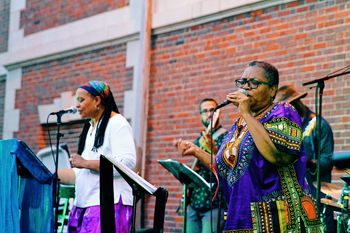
[[194, 164]]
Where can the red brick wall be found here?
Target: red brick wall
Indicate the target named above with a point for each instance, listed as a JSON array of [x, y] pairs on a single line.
[[35, 17], [43, 82], [304, 40], [71, 132], [4, 24]]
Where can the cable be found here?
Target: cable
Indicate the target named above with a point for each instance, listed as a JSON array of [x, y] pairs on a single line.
[[48, 132]]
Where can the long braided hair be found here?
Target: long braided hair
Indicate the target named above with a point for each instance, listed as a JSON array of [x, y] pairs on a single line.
[[102, 89]]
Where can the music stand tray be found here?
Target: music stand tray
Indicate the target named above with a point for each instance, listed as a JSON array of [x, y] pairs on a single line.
[[184, 174], [133, 178], [188, 178], [140, 187]]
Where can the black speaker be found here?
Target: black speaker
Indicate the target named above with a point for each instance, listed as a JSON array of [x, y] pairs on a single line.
[[341, 159]]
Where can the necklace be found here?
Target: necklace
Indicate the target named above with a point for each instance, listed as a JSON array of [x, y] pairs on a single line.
[[231, 150], [262, 111], [94, 125], [92, 128], [230, 154]]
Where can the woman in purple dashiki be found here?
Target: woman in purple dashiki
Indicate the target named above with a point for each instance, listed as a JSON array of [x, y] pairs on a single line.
[[260, 164]]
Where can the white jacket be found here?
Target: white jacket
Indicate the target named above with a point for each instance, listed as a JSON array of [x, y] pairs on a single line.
[[118, 146]]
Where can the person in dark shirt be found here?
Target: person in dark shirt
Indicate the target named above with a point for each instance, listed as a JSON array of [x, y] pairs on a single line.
[[198, 211], [289, 94]]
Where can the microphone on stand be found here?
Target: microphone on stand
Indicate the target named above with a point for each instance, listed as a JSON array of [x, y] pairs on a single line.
[[71, 110], [56, 186]]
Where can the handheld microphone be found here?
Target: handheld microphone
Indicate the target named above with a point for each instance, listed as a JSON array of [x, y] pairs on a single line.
[[223, 104], [227, 102], [71, 110]]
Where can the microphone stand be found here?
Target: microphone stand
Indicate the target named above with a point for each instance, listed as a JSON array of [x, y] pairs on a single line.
[[184, 189], [56, 184], [318, 107], [210, 173]]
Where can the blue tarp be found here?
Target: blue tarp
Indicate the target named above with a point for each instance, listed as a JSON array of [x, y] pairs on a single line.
[[25, 190]]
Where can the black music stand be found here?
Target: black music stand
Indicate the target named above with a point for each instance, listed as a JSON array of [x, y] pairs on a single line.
[[188, 178], [106, 196], [140, 187], [318, 107]]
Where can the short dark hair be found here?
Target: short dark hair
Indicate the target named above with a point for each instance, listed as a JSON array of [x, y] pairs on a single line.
[[207, 100], [271, 72]]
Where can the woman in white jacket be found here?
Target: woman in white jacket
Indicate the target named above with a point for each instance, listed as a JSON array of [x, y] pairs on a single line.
[[107, 133]]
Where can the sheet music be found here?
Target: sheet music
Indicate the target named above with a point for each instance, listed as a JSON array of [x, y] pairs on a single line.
[[124, 170]]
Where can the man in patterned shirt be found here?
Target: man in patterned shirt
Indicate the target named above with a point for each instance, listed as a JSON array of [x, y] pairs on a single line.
[[198, 211]]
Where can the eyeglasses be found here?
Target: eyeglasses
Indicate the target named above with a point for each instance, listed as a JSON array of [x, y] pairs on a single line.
[[252, 83], [204, 111]]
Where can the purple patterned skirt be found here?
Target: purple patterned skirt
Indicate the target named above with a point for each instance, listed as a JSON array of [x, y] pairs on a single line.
[[88, 219]]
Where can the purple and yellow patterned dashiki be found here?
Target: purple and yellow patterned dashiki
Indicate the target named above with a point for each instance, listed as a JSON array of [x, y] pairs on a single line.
[[260, 196]]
